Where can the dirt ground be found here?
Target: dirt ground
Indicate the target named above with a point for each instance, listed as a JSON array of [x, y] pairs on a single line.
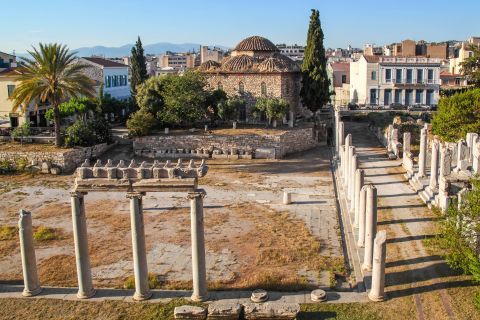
[[252, 239]]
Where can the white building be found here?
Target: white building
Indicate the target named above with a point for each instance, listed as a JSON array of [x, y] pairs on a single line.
[[294, 52], [113, 76], [380, 80]]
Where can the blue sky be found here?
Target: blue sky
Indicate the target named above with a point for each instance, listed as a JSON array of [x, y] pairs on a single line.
[[225, 22]]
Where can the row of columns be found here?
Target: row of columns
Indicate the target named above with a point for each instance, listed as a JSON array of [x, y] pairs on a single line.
[[140, 268], [362, 203]]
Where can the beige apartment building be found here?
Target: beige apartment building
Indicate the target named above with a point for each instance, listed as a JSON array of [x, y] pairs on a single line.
[[177, 61], [463, 53], [381, 80]]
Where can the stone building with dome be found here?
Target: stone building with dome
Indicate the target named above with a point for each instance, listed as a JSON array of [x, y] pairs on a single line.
[[256, 68]]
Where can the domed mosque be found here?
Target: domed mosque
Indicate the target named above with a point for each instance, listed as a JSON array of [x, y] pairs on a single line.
[[256, 68]]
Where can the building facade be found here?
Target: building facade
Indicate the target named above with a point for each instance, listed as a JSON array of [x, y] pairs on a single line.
[[177, 61], [339, 75], [380, 80], [207, 54], [113, 76], [294, 52], [256, 68]]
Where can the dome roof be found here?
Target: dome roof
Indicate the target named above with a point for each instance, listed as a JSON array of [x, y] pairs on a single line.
[[255, 43], [242, 62], [278, 63], [209, 65]]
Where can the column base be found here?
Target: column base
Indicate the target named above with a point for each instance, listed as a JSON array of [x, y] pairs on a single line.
[[199, 298], [366, 267], [31, 293], [86, 295], [376, 298], [141, 297]]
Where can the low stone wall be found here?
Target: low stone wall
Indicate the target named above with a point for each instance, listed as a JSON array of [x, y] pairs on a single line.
[[234, 146], [67, 160]]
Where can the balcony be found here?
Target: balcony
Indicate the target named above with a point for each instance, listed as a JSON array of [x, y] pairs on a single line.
[[410, 82]]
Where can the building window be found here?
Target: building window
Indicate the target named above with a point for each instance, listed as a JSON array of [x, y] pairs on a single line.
[[241, 88], [398, 96], [388, 75], [419, 96], [430, 96], [408, 97], [457, 81], [387, 99], [344, 78], [398, 76], [219, 86], [419, 76], [373, 96], [374, 75], [10, 89], [430, 75], [409, 76], [264, 88]]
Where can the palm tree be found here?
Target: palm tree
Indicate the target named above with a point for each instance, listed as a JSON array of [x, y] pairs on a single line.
[[52, 75]]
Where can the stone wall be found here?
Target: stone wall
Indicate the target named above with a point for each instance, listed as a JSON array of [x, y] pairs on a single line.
[[67, 160], [199, 146]]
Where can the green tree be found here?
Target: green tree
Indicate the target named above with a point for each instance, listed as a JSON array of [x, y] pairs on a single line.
[[140, 123], [213, 101], [138, 67], [79, 106], [457, 115], [274, 108], [79, 134], [149, 95], [471, 67], [21, 131], [315, 83], [229, 109], [52, 76]]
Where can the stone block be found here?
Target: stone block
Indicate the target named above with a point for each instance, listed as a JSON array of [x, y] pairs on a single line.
[[46, 166], [56, 170], [190, 313], [271, 311], [224, 311], [265, 153]]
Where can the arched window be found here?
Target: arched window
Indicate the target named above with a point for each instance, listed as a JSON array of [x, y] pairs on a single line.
[[241, 87], [219, 86], [264, 88]]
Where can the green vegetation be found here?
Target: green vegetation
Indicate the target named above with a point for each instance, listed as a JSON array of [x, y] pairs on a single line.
[[45, 234], [87, 133], [229, 109], [153, 282], [471, 67], [8, 232], [52, 76], [457, 115], [21, 131], [140, 123], [74, 106], [138, 67], [315, 91], [273, 108]]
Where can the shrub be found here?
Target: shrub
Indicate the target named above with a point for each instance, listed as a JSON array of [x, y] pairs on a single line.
[[153, 282], [21, 131], [8, 232], [230, 109], [45, 234], [79, 134], [21, 164], [457, 115], [6, 167], [101, 128], [140, 123], [273, 108]]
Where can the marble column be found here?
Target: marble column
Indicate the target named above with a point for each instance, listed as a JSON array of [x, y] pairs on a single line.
[[198, 246], [140, 269], [359, 182], [84, 273], [422, 157], [377, 292], [370, 225], [27, 252], [390, 138], [445, 161], [434, 167], [337, 131], [476, 158], [406, 142], [346, 165], [361, 217], [341, 135], [287, 197], [351, 175], [462, 154]]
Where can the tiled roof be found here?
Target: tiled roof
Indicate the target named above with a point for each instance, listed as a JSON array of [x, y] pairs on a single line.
[[372, 59], [256, 43], [105, 63], [340, 66], [10, 72]]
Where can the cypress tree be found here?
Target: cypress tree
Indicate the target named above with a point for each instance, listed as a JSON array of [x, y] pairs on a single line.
[[138, 67], [315, 83]]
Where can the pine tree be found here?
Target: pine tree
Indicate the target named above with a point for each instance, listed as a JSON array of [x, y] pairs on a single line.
[[315, 83], [138, 67]]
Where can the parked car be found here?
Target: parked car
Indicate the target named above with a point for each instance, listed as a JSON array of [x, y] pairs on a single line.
[[353, 106], [397, 106], [419, 107]]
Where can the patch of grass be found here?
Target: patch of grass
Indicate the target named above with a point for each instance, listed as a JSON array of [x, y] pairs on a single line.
[[46, 234], [153, 282], [8, 232]]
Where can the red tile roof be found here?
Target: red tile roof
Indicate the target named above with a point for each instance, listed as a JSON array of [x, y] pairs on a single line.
[[341, 66], [372, 59], [105, 63], [10, 72]]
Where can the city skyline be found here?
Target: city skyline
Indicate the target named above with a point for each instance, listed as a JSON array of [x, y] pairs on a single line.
[[216, 22]]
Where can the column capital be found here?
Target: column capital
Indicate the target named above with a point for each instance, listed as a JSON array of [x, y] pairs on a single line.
[[131, 195], [197, 193], [76, 194]]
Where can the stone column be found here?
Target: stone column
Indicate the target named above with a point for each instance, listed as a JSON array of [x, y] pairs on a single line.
[[198, 246], [287, 197], [84, 273], [27, 251], [434, 166], [422, 157], [337, 131], [351, 176], [370, 225], [476, 158], [346, 163], [341, 135], [361, 217], [377, 292], [140, 269], [359, 182], [445, 161], [406, 142], [390, 138], [462, 151]]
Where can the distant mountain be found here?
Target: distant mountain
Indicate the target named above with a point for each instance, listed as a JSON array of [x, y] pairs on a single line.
[[156, 48]]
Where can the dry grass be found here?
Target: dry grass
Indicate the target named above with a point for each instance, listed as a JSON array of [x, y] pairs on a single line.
[[59, 270], [30, 147]]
